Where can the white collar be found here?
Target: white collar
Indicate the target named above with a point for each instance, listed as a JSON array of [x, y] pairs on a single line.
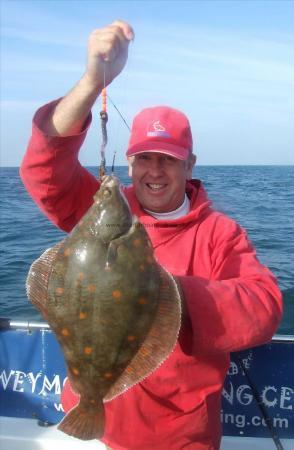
[[172, 215]]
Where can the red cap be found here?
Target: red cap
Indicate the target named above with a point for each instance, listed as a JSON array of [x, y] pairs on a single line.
[[161, 129]]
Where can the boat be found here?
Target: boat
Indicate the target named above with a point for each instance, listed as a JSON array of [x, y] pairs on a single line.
[[257, 402]]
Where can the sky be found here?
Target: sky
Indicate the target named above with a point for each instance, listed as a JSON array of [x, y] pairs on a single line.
[[229, 65]]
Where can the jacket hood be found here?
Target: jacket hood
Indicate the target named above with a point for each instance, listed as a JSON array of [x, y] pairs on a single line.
[[161, 230]]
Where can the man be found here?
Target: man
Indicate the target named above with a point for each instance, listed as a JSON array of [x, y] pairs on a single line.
[[230, 300]]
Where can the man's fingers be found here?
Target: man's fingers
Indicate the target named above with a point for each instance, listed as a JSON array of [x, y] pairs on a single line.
[[108, 42], [126, 29]]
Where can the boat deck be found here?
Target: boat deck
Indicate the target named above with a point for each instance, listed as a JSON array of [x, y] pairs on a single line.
[[26, 434]]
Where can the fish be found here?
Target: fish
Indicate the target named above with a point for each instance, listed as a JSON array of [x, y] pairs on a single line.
[[115, 311]]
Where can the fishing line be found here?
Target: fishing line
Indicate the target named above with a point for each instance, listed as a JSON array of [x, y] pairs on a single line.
[[261, 406], [104, 75], [120, 114], [104, 119], [119, 105]]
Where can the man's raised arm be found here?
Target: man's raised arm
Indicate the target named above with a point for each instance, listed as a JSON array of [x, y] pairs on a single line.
[[50, 169], [107, 56]]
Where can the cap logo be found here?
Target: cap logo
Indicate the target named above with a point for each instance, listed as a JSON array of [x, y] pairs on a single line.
[[157, 126], [157, 129]]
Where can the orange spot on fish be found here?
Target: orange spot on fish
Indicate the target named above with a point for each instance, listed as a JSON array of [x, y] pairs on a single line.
[[91, 288], [82, 315], [131, 338], [65, 332], [88, 350], [137, 242], [75, 370], [67, 252], [59, 291], [149, 259], [142, 301], [129, 370], [108, 375], [116, 294], [144, 351], [93, 402]]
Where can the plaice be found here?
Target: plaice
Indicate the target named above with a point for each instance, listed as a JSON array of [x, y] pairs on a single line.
[[115, 311]]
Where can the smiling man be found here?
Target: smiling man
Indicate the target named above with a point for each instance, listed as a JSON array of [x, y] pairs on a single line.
[[161, 159], [230, 301]]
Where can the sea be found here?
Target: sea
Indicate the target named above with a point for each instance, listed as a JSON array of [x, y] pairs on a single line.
[[259, 198]]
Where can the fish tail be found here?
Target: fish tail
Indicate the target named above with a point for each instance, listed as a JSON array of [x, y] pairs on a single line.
[[84, 421]]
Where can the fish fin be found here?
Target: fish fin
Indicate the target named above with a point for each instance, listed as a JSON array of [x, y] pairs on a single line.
[[84, 421], [38, 278], [160, 340], [111, 254]]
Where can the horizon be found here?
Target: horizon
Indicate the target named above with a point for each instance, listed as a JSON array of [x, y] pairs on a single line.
[[195, 167], [228, 65]]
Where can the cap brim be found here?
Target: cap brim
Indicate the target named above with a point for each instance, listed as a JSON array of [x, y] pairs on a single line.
[[159, 147]]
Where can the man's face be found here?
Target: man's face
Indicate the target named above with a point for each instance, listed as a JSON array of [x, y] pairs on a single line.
[[159, 180]]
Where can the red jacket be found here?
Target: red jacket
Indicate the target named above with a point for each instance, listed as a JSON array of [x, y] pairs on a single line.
[[233, 302]]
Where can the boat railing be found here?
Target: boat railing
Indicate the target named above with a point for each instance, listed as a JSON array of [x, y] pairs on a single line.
[[7, 324]]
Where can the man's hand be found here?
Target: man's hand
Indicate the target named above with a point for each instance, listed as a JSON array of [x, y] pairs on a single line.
[[108, 52]]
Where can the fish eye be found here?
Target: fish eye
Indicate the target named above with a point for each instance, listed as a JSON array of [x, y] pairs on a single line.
[[106, 193]]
